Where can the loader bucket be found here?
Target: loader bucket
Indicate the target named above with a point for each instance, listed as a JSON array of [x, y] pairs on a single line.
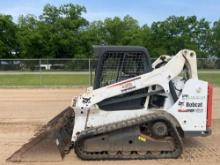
[[50, 143]]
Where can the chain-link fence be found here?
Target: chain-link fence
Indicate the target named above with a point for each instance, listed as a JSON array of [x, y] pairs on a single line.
[[62, 72], [38, 65], [208, 63], [47, 72]]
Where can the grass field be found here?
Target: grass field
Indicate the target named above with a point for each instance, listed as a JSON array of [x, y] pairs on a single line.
[[69, 79], [44, 79], [213, 78]]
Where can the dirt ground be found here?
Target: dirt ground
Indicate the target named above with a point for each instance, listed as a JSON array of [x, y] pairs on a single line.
[[23, 111]]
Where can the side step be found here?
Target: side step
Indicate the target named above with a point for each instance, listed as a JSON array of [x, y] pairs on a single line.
[[53, 140]]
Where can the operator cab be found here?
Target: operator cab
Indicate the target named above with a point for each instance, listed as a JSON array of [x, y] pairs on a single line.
[[118, 63]]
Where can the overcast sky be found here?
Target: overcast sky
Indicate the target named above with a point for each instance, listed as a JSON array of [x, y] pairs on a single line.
[[145, 11]]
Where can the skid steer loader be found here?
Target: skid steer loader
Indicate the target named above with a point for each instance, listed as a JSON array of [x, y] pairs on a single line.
[[135, 110]]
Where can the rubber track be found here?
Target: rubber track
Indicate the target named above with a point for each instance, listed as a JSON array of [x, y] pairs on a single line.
[[129, 123]]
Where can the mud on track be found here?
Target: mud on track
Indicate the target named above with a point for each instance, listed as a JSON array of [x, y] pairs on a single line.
[[24, 111]]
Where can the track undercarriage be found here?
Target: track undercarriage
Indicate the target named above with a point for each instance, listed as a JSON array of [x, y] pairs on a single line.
[[130, 139]]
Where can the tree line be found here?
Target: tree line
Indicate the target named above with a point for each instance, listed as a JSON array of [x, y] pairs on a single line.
[[63, 32]]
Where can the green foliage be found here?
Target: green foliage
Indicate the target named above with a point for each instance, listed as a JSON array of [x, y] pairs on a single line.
[[176, 33], [63, 32], [116, 31], [56, 34], [8, 44], [216, 39]]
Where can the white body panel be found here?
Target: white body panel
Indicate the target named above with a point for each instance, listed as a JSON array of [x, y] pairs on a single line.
[[87, 114], [191, 108], [191, 113]]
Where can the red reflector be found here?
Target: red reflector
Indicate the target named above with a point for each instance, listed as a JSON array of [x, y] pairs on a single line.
[[209, 106]]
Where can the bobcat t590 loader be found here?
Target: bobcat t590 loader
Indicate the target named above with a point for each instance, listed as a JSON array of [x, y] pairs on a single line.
[[135, 110]]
